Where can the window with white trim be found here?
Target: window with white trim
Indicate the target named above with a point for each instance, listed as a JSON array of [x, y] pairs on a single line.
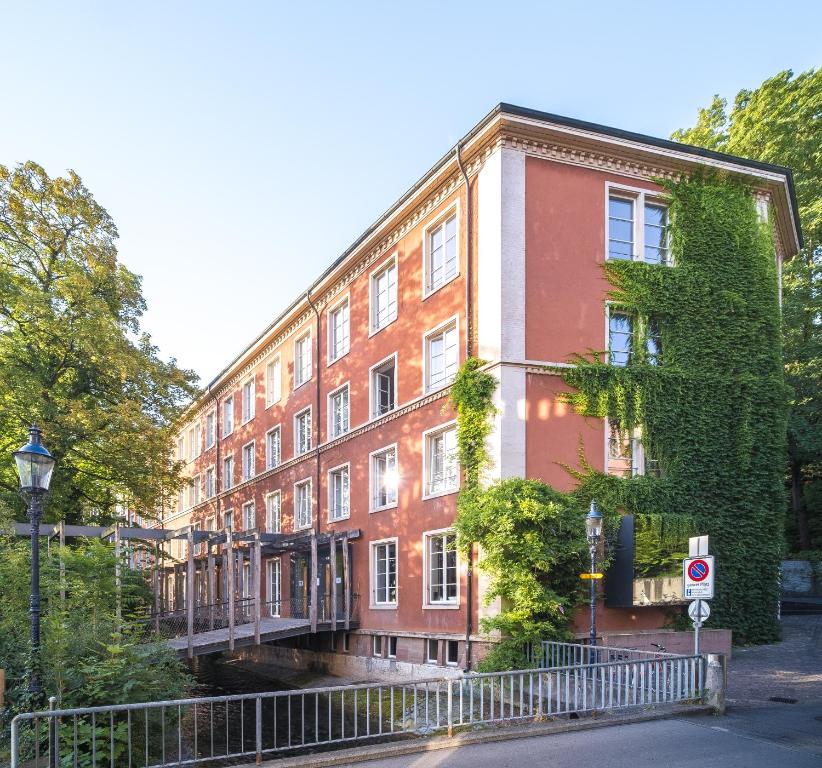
[[302, 432], [384, 478], [194, 442], [384, 296], [248, 461], [339, 331], [384, 387], [228, 472], [441, 465], [302, 504], [228, 416], [181, 500], [653, 342], [432, 650], [637, 228], [195, 490], [274, 596], [248, 398], [441, 260], [302, 360], [338, 418], [273, 513], [210, 488], [181, 447], [377, 645], [338, 493], [249, 516], [228, 519], [441, 356], [620, 337], [384, 572], [211, 431], [626, 454], [392, 647], [441, 568], [273, 448], [273, 381]]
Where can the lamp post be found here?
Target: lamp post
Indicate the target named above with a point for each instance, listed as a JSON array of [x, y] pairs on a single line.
[[593, 526], [34, 466]]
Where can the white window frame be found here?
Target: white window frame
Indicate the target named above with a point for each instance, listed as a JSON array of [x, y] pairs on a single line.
[[342, 302], [332, 471], [427, 603], [376, 646], [249, 405], [372, 507], [427, 436], [274, 565], [426, 337], [269, 521], [245, 508], [297, 451], [228, 457], [392, 640], [228, 405], [298, 382], [637, 456], [307, 482], [640, 198], [211, 437], [428, 230], [269, 464], [195, 490], [226, 513], [248, 472], [372, 389], [435, 659], [373, 328], [181, 448], [331, 395], [372, 591], [270, 398], [213, 471]]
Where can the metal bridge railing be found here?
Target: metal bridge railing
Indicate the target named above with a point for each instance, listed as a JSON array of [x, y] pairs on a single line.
[[225, 728], [551, 653]]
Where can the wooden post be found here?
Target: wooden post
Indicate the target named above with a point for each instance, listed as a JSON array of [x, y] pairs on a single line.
[[229, 564], [62, 563], [256, 570], [2, 688], [241, 586], [313, 608], [210, 586], [118, 579], [190, 589], [332, 553], [346, 582]]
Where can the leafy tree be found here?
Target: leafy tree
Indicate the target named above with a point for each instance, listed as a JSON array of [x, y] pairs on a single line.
[[781, 122], [72, 356]]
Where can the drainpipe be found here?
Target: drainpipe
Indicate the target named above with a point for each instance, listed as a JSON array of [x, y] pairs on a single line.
[[316, 424], [469, 348]]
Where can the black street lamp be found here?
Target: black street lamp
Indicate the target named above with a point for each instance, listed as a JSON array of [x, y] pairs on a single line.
[[34, 466], [593, 525]]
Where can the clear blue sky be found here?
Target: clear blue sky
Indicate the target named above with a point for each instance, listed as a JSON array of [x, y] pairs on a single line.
[[241, 146]]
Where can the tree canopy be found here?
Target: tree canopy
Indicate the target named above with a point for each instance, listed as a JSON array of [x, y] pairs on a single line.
[[781, 122], [73, 357]]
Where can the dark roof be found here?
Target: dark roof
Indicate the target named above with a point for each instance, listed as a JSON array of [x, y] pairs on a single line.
[[512, 109]]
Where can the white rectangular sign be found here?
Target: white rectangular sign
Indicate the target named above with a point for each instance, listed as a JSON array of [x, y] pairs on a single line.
[[698, 577]]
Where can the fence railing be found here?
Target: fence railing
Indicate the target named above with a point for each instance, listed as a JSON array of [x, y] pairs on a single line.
[[222, 728], [551, 653]]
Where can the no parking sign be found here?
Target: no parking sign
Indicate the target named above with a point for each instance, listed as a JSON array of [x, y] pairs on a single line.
[[698, 577]]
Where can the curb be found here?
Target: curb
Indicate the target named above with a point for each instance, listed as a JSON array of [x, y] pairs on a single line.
[[398, 749]]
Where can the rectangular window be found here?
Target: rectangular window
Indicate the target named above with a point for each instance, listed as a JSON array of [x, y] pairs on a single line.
[[627, 456], [378, 645], [228, 416], [272, 513], [338, 332], [620, 337], [432, 651], [272, 448], [181, 448], [384, 478], [338, 412], [273, 382], [302, 504], [653, 342], [302, 360], [441, 465], [441, 357], [346, 642], [384, 571], [384, 387], [656, 234], [249, 516], [441, 572], [211, 433], [228, 519], [274, 586], [248, 396], [195, 490], [210, 488], [228, 472], [248, 461], [384, 296], [338, 493], [302, 432], [637, 228], [441, 254], [620, 228], [452, 651], [392, 647], [181, 500]]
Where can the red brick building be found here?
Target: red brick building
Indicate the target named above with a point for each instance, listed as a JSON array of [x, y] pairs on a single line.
[[336, 417]]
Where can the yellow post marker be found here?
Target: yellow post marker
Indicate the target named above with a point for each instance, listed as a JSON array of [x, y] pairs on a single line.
[[590, 575]]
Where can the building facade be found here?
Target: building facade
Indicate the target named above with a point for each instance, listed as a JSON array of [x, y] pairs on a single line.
[[337, 418]]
